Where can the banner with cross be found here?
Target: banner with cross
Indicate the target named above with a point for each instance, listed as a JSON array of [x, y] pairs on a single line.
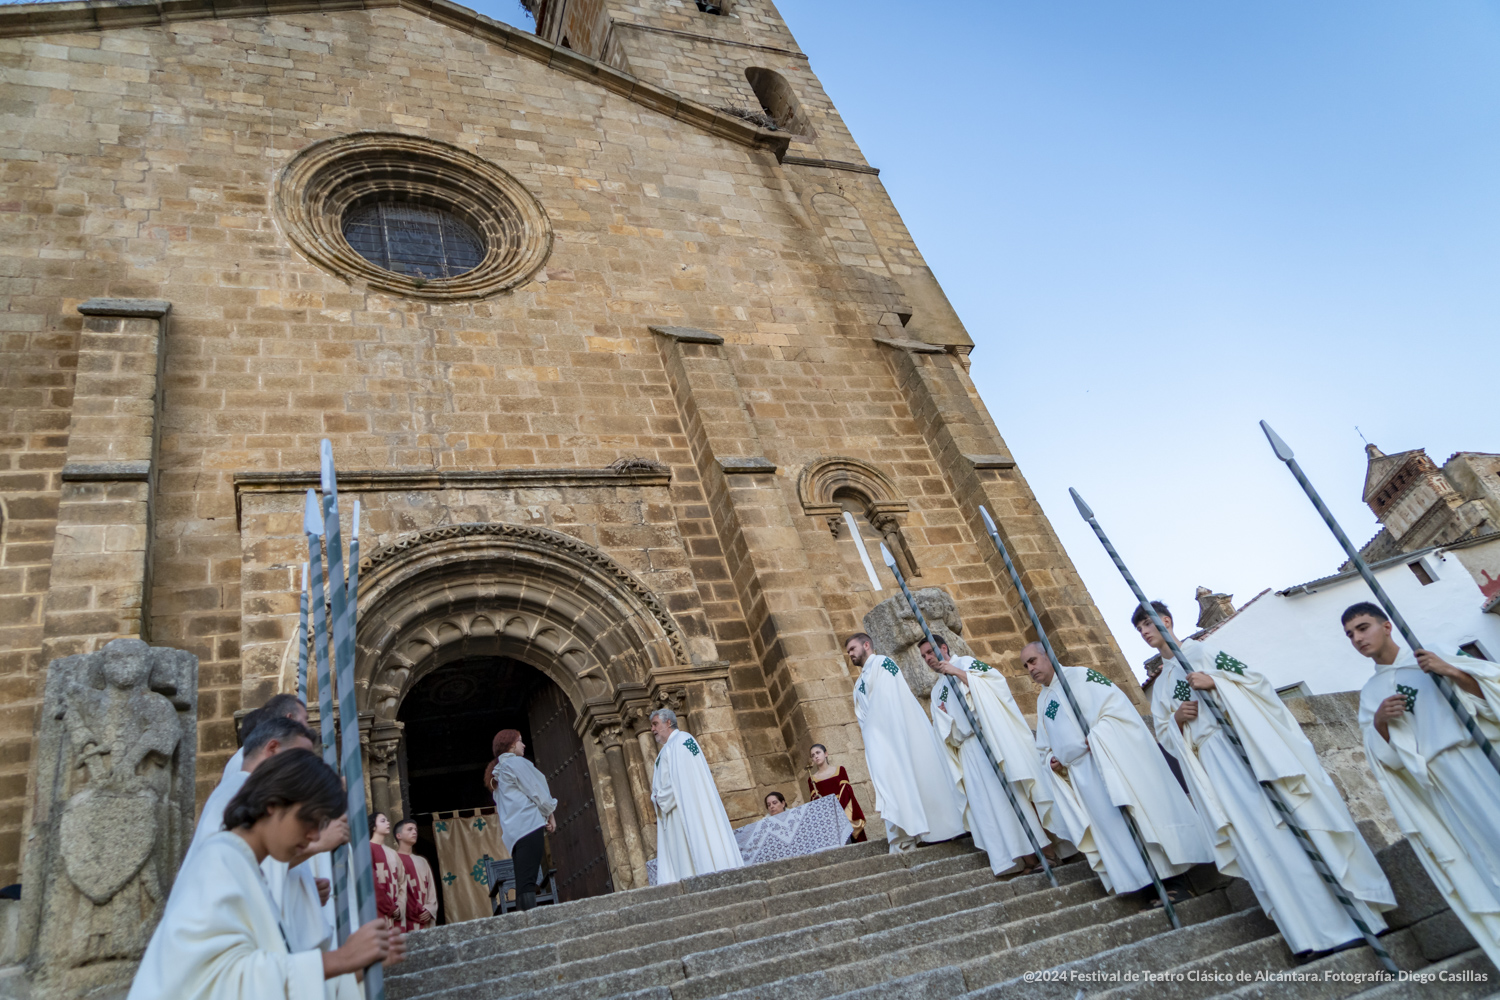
[[465, 840]]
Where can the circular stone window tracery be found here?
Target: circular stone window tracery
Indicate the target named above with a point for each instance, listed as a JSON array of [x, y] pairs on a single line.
[[412, 216]]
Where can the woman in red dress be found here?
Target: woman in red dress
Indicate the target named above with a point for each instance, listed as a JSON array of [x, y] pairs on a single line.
[[829, 780]]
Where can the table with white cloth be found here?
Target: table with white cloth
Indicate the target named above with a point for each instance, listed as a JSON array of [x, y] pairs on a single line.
[[820, 825]]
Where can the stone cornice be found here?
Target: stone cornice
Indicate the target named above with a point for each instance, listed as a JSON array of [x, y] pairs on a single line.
[[373, 481], [32, 19], [813, 161]]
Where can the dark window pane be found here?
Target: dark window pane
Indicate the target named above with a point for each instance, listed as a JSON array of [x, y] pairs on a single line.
[[414, 240]]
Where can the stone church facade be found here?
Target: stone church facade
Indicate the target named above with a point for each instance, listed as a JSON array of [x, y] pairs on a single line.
[[608, 326]]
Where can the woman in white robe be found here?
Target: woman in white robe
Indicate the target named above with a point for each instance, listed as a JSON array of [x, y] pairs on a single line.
[[220, 937], [693, 836]]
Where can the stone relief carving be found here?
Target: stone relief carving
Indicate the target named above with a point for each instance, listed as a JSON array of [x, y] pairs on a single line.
[[896, 633], [118, 739]]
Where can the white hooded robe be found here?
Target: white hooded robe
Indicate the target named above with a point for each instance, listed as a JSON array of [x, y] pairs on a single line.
[[914, 793], [1443, 791], [693, 836], [990, 816], [1249, 838], [1119, 766]]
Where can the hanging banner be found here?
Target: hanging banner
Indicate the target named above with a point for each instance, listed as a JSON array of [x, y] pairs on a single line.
[[464, 843]]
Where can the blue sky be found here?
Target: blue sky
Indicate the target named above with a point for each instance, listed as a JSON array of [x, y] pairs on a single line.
[[1162, 222]]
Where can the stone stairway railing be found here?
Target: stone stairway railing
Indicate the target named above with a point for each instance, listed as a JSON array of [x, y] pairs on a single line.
[[861, 923]]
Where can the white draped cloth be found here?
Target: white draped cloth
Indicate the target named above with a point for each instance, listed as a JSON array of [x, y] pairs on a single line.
[[220, 937], [1120, 766], [989, 816], [908, 766], [1442, 789], [1249, 838], [693, 836]]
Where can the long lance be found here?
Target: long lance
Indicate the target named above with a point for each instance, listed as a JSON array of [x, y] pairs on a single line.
[[353, 763], [312, 524], [1444, 686], [1272, 792], [963, 703], [302, 641], [1083, 725]]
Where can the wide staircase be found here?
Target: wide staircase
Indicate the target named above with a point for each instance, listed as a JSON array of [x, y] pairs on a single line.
[[934, 924]]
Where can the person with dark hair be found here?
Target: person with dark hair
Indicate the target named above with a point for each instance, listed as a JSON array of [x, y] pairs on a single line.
[[988, 812], [524, 807], [390, 874], [775, 803], [1116, 766], [220, 937], [1442, 789], [1248, 836], [271, 737], [829, 780], [421, 887], [287, 706], [907, 765]]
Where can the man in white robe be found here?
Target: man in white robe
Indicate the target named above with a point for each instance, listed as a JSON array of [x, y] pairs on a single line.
[[294, 889], [1249, 837], [693, 836], [287, 706], [1442, 789], [1118, 765], [989, 816], [914, 791]]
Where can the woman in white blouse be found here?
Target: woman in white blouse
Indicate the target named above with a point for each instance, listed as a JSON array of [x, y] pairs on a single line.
[[525, 808]]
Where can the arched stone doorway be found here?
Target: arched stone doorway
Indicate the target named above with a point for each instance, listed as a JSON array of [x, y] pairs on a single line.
[[452, 602], [448, 719]]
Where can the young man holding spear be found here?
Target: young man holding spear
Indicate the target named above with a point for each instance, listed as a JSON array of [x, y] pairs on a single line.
[[996, 826], [1441, 789], [1249, 839]]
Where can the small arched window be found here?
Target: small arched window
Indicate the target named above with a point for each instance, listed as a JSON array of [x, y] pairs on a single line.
[[777, 100]]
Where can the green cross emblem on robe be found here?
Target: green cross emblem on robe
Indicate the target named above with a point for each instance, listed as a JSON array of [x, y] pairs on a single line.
[[1098, 678], [1052, 710], [692, 747], [479, 872], [1182, 692], [981, 667], [1411, 696], [890, 667], [862, 688], [1226, 662], [449, 878], [943, 698]]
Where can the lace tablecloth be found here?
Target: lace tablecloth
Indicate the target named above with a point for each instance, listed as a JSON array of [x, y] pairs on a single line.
[[819, 825]]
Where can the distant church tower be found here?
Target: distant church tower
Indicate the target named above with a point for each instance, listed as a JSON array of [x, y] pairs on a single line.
[[1419, 504]]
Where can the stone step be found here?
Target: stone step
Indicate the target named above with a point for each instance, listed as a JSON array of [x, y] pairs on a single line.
[[1215, 974], [1332, 977], [879, 963], [1469, 975], [715, 946], [1137, 944]]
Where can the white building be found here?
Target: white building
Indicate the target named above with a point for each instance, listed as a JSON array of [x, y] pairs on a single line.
[[1448, 594]]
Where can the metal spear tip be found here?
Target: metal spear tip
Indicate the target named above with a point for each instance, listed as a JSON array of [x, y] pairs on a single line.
[[312, 515], [885, 554], [325, 460], [989, 522], [1083, 508], [1281, 448]]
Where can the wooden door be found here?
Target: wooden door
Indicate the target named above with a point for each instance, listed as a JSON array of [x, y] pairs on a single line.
[[578, 845]]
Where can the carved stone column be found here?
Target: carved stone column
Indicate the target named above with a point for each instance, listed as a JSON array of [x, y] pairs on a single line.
[[613, 741], [384, 741], [640, 767], [117, 743]]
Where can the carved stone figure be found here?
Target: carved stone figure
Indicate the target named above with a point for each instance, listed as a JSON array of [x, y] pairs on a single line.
[[114, 813], [896, 633]]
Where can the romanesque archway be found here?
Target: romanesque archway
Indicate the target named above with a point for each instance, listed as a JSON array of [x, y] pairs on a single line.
[[459, 600]]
